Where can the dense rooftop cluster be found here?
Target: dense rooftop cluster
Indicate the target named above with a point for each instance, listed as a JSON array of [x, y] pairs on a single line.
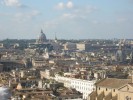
[[67, 69]]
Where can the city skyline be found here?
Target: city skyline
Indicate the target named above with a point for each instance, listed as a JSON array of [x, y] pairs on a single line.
[[69, 19]]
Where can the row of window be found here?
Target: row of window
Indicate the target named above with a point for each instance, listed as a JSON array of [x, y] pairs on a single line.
[[107, 89], [83, 88], [83, 83]]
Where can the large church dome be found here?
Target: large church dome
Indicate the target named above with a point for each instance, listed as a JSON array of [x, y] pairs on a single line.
[[42, 38]]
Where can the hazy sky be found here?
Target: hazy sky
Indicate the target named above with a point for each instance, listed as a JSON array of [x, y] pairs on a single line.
[[69, 19]]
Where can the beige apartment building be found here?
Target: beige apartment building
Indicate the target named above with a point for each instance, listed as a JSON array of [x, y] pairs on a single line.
[[113, 89], [126, 92]]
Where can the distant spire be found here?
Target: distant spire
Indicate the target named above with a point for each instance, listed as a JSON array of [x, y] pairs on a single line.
[[55, 37], [120, 45], [41, 31]]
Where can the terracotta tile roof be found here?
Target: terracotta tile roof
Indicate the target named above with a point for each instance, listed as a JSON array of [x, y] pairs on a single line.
[[113, 82]]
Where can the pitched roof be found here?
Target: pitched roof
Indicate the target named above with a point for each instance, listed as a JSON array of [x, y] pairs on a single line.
[[131, 84], [113, 82]]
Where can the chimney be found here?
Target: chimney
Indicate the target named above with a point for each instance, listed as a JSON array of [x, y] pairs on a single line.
[[9, 83]]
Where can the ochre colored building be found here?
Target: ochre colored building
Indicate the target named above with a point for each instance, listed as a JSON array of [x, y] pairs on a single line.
[[113, 89]]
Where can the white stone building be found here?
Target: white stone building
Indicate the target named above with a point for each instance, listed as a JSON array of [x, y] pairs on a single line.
[[83, 86], [82, 46]]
